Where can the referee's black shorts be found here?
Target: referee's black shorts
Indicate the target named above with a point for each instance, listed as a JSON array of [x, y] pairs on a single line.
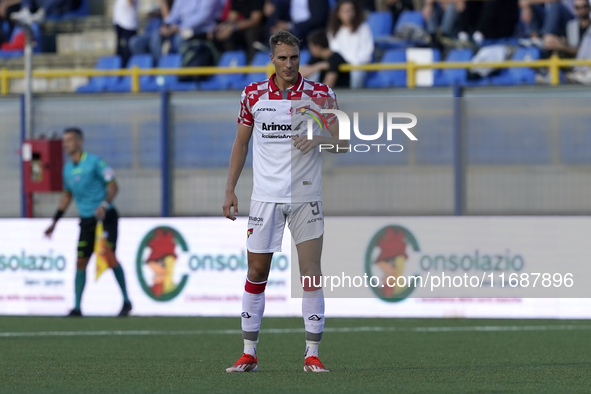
[[88, 231]]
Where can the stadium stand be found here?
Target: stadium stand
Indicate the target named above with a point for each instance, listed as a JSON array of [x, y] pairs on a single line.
[[227, 81], [80, 38], [168, 82], [455, 76], [103, 83], [124, 84], [522, 75], [382, 79]]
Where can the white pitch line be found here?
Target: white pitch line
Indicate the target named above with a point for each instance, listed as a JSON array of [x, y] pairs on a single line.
[[295, 331]]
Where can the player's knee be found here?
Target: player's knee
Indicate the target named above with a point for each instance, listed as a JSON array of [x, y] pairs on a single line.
[[257, 274], [82, 262], [310, 269]]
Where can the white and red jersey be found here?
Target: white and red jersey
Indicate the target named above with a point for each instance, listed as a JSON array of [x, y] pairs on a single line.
[[282, 174]]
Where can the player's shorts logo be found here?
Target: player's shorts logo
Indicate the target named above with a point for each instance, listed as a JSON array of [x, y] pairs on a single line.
[[249, 232], [156, 261], [387, 256]]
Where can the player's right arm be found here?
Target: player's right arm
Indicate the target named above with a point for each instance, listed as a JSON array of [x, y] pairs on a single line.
[[64, 204], [237, 160]]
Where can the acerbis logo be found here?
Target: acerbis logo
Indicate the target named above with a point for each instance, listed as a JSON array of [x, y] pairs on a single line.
[[314, 318], [386, 256], [245, 315], [267, 109], [158, 251]]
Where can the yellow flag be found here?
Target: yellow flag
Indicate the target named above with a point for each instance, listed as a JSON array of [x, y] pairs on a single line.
[[105, 257]]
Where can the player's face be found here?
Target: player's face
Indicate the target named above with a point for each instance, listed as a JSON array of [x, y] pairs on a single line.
[[72, 143], [286, 60]]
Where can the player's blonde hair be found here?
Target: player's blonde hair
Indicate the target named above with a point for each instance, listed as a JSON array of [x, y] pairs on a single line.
[[283, 37]]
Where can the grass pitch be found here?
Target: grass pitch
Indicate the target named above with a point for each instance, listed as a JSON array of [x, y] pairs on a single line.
[[189, 355]]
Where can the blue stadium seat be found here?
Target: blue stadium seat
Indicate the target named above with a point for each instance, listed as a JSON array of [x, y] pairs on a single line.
[[100, 84], [521, 75], [226, 81], [124, 84], [169, 82], [383, 79], [381, 24], [452, 76], [260, 59], [410, 18]]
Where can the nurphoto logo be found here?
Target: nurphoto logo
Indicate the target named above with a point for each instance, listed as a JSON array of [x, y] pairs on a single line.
[[392, 122]]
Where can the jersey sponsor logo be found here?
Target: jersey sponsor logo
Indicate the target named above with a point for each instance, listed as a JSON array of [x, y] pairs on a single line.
[[267, 109], [277, 136], [276, 127], [255, 221]]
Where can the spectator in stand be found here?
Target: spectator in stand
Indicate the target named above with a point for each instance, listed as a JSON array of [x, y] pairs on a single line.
[[350, 37], [580, 32], [7, 8], [187, 19], [575, 30], [242, 28], [141, 43], [546, 18], [396, 7], [491, 19], [440, 17], [325, 61], [125, 21], [43, 7], [304, 16]]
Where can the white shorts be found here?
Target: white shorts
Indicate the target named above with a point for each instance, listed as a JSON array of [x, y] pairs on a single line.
[[266, 223]]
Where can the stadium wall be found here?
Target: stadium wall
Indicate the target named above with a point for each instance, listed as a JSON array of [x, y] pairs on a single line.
[[526, 152]]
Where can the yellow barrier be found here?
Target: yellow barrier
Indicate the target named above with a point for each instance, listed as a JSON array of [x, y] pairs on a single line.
[[554, 64]]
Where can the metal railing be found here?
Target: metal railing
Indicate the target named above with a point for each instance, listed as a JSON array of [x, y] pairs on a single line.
[[553, 64]]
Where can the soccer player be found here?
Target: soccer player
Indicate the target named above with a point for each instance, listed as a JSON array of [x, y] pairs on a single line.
[[92, 183], [287, 188]]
